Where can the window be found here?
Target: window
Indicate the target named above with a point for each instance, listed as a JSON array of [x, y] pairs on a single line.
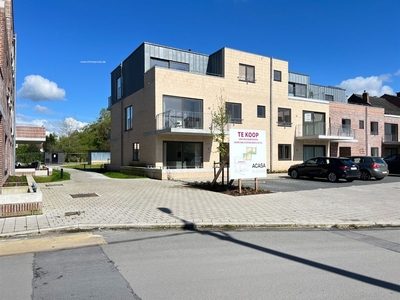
[[374, 128], [119, 88], [313, 123], [391, 132], [169, 64], [284, 117], [128, 118], [374, 151], [277, 75], [260, 111], [328, 97], [284, 152], [297, 90], [361, 124], [234, 112], [246, 73], [178, 155], [346, 126], [135, 151], [182, 112]]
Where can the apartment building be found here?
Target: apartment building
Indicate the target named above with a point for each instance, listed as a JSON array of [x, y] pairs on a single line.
[[162, 100], [7, 91]]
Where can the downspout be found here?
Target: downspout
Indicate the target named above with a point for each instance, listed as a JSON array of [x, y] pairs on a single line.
[[270, 117], [14, 106]]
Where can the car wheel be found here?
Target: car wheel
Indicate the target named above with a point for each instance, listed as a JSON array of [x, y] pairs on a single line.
[[332, 177], [294, 174], [365, 175]]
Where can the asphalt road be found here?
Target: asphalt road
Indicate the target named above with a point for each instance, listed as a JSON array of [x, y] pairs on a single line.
[[210, 264]]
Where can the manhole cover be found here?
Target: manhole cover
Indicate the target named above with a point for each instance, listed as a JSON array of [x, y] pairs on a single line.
[[55, 184], [84, 195]]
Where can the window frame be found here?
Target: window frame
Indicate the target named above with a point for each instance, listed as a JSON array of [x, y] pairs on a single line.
[[284, 123], [284, 149], [261, 114], [232, 106], [374, 125], [248, 71], [278, 75], [128, 111], [361, 124], [119, 87], [294, 89]]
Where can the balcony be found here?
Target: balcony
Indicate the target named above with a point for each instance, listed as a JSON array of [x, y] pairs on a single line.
[[184, 123], [319, 131], [391, 139]]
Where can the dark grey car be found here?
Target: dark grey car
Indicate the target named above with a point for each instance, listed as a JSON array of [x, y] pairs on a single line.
[[371, 167]]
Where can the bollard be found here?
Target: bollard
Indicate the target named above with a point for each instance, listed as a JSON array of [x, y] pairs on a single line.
[[62, 173]]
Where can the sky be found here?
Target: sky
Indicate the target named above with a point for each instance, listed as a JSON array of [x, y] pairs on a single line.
[[66, 49]]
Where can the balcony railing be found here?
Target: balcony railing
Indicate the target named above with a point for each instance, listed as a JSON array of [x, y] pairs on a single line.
[[321, 129], [183, 119], [391, 138]]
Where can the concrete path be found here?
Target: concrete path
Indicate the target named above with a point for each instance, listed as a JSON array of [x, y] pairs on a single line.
[[91, 200]]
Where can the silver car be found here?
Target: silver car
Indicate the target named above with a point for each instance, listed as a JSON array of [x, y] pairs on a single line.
[[371, 166]]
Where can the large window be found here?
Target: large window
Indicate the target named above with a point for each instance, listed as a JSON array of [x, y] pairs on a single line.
[[135, 151], [284, 152], [313, 123], [260, 111], [346, 127], [182, 112], [119, 88], [391, 132], [234, 112], [297, 90], [169, 64], [374, 128], [181, 155], [128, 118], [284, 117], [277, 75], [246, 73]]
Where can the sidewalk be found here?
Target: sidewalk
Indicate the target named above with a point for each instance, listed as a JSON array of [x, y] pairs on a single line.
[[100, 202]]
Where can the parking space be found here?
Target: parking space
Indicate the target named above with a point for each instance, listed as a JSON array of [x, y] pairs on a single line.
[[284, 183]]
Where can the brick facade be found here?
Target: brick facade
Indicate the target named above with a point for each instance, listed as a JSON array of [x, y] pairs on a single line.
[[7, 91]]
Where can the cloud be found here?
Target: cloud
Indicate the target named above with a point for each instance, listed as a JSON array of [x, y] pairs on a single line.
[[22, 106], [397, 73], [373, 85], [51, 125], [42, 109], [69, 125], [36, 88]]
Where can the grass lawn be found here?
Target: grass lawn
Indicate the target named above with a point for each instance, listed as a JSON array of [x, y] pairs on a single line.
[[99, 169], [56, 176]]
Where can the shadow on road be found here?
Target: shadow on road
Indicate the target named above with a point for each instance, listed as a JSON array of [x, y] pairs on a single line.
[[226, 237]]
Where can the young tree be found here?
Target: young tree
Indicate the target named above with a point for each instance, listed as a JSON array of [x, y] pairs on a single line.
[[220, 120]]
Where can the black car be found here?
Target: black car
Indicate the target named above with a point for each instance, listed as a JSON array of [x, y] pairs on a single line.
[[393, 162], [371, 166], [332, 168]]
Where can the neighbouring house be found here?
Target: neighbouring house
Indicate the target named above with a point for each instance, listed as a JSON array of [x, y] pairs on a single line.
[[7, 91], [378, 121], [162, 100]]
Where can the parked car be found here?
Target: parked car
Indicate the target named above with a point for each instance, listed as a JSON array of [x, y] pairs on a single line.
[[393, 163], [332, 168], [371, 166]]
